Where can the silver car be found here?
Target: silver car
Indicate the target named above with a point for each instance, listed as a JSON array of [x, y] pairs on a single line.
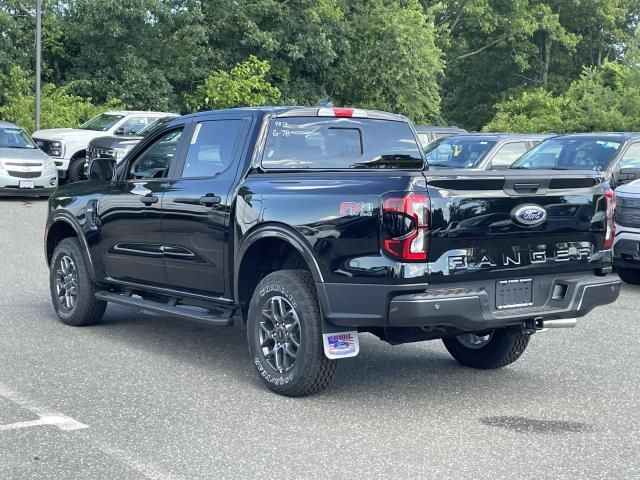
[[24, 168]]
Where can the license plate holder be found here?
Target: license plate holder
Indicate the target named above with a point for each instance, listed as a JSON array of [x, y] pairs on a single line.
[[27, 184], [514, 293]]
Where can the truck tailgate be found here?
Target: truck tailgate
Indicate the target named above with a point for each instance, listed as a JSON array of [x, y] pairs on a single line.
[[515, 224]]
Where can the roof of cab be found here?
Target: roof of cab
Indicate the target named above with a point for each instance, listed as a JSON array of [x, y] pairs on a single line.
[[300, 111], [124, 113], [496, 137], [4, 124], [436, 128], [610, 136]]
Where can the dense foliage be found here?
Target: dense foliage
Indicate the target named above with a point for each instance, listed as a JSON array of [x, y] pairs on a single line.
[[543, 65]]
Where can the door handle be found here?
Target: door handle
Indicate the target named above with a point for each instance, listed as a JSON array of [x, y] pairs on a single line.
[[209, 200], [148, 199]]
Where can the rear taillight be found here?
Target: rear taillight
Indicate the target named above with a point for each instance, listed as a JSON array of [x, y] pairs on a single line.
[[405, 226], [610, 226]]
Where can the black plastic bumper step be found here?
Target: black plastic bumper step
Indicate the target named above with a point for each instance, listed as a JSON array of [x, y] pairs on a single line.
[[221, 317]]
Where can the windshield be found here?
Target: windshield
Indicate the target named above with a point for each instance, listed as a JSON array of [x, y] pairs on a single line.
[[310, 142], [13, 137], [457, 152], [569, 154], [102, 122], [154, 126]]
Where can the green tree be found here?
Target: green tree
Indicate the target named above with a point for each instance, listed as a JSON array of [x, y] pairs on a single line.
[[244, 85], [59, 107], [391, 61], [605, 99]]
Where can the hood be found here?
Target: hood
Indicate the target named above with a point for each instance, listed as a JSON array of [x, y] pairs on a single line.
[[23, 155], [115, 141], [631, 188], [64, 133]]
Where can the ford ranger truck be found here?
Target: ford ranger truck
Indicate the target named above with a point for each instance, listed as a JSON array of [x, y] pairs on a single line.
[[314, 225]]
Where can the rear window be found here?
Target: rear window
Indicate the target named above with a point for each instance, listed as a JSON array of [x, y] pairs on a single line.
[[457, 152], [570, 154], [330, 143]]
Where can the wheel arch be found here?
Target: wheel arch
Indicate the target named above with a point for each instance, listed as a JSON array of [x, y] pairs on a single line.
[[267, 249], [62, 227], [78, 154]]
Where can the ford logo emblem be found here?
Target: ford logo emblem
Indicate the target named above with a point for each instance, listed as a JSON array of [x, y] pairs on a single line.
[[529, 215]]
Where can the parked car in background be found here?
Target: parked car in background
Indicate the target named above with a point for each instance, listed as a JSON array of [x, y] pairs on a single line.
[[68, 146], [626, 249], [480, 151], [117, 146], [428, 134], [24, 168], [615, 155]]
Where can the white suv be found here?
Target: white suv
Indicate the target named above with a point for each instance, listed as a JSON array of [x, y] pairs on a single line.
[[626, 249], [68, 146]]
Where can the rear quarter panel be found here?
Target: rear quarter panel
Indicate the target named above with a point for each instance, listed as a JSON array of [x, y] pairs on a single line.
[[336, 214]]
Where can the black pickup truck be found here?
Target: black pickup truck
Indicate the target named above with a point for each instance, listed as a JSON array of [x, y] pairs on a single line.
[[313, 225]]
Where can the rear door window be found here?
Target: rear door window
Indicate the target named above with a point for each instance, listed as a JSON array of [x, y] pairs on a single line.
[[508, 154], [329, 143], [211, 148]]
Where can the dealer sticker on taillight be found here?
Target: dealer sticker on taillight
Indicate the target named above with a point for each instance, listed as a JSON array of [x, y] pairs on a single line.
[[341, 345]]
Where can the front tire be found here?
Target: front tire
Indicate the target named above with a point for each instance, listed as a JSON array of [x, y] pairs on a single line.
[[285, 335], [629, 275], [75, 173], [489, 350], [72, 290]]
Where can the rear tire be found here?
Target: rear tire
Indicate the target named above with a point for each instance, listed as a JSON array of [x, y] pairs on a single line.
[[75, 173], [72, 290], [503, 347], [284, 333], [629, 275]]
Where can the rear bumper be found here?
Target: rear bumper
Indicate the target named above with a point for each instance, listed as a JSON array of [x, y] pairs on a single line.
[[468, 308], [27, 192]]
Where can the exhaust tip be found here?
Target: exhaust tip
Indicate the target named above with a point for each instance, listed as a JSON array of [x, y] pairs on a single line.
[[559, 323]]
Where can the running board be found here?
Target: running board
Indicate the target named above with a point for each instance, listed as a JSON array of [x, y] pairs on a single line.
[[222, 317]]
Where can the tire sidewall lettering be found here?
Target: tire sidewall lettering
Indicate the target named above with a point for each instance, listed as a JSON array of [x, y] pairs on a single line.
[[276, 288], [273, 379]]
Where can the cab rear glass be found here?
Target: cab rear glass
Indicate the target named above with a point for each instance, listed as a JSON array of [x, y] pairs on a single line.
[[570, 154], [345, 143]]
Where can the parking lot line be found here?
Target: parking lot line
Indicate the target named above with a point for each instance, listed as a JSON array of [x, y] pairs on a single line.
[[46, 416]]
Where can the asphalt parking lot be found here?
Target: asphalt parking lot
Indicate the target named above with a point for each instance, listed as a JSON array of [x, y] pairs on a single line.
[[151, 397]]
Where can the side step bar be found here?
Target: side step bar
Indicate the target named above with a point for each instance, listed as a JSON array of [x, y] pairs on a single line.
[[223, 317]]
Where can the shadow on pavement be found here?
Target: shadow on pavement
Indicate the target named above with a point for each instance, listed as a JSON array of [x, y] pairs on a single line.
[[422, 369]]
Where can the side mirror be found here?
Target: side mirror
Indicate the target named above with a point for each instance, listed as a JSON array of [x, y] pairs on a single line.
[[123, 131], [627, 174], [102, 169]]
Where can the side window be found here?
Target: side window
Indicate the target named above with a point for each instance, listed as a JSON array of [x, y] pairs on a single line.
[[631, 158], [155, 160], [508, 154], [211, 148], [133, 125]]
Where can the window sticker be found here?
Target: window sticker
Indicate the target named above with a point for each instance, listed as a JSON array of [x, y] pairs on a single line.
[[196, 132]]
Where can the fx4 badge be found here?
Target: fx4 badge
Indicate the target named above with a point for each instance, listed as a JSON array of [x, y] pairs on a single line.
[[357, 209]]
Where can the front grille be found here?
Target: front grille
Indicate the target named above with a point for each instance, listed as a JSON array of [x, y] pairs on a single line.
[[628, 212], [24, 174], [99, 152], [19, 164]]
